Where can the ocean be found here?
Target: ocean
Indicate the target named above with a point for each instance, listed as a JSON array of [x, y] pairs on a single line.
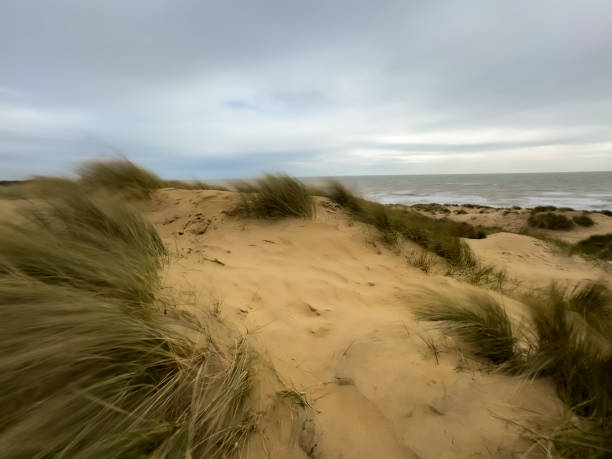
[[579, 190]]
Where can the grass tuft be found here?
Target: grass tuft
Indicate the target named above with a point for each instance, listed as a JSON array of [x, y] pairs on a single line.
[[571, 344], [126, 177], [67, 238], [121, 175], [275, 196], [480, 322], [574, 346], [341, 195]]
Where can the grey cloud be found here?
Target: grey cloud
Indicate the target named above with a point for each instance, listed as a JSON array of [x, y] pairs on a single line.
[[235, 84]]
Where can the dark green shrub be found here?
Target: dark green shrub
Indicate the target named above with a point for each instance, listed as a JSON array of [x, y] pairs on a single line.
[[550, 220], [598, 246], [543, 209], [583, 220]]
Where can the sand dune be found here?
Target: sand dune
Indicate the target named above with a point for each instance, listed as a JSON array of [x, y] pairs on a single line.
[[330, 307], [533, 262]]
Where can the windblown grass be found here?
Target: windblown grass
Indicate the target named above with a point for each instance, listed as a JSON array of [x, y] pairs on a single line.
[[124, 176], [69, 239], [570, 343], [478, 321], [275, 196], [88, 367], [574, 345]]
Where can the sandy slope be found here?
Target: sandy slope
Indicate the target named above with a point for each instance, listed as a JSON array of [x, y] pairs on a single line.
[[533, 262], [330, 307]]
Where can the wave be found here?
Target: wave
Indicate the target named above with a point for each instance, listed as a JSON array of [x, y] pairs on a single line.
[[558, 200]]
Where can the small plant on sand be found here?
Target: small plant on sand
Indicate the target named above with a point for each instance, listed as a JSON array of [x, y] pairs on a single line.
[[292, 395], [275, 196], [420, 259], [550, 220], [583, 220]]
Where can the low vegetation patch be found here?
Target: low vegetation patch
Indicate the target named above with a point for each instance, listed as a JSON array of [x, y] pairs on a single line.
[[90, 367], [275, 196], [440, 236], [537, 209], [432, 208], [598, 246], [550, 220], [583, 220]]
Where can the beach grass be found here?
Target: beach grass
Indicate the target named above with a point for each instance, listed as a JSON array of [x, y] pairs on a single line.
[[568, 339], [125, 176], [90, 366], [479, 322], [440, 236], [275, 196]]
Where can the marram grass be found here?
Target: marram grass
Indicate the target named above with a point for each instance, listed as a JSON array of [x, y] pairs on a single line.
[[570, 343], [275, 196], [89, 367]]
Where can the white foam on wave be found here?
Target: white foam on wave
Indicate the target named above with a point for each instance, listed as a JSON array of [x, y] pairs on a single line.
[[557, 200]]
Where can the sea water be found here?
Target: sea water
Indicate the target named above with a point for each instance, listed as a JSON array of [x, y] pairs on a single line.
[[579, 190]]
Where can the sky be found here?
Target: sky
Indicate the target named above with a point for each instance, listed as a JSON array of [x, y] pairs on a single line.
[[224, 89]]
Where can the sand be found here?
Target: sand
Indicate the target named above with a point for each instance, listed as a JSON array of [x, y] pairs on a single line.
[[329, 307]]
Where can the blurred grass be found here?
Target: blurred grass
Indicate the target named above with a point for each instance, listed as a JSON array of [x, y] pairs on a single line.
[[125, 176], [90, 367]]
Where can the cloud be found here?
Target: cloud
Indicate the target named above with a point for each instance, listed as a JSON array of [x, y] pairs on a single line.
[[241, 85]]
